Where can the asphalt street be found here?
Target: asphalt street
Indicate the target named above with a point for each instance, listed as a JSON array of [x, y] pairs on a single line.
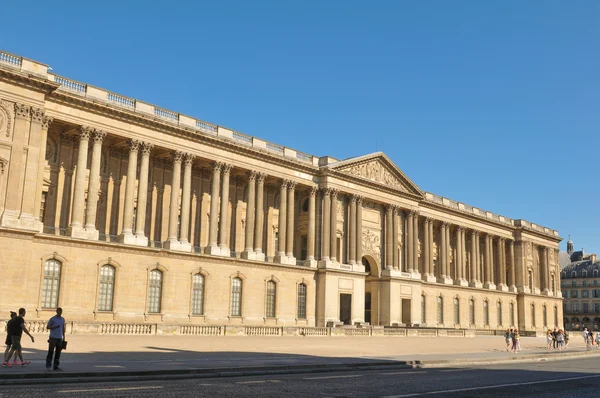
[[578, 377]]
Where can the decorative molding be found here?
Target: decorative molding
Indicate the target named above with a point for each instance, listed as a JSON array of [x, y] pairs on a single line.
[[37, 115], [374, 170], [147, 148], [22, 111], [177, 157], [6, 118], [99, 136], [46, 122]]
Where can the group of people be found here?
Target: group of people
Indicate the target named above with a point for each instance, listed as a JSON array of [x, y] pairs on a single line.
[[590, 339], [513, 340], [14, 331], [557, 339]]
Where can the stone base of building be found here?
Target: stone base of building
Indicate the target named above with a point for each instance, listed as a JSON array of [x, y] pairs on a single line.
[[476, 284], [312, 263], [513, 289], [83, 233], [178, 246], [394, 273], [25, 222], [252, 255], [430, 278], [282, 259], [134, 240], [444, 280], [489, 285], [461, 282], [502, 287], [415, 275], [217, 251]]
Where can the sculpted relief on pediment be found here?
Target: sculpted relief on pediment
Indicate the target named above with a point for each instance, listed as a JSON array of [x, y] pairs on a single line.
[[376, 172]]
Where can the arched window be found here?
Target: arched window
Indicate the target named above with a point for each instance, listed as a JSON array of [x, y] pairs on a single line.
[[304, 206], [533, 315], [440, 309], [51, 283], [302, 301], [236, 297], [486, 313], [511, 313], [155, 292], [573, 274], [499, 312], [107, 288], [456, 311], [271, 296], [472, 311], [198, 294], [584, 274], [545, 316]]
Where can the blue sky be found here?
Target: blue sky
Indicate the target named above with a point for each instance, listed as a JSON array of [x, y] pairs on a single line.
[[495, 104]]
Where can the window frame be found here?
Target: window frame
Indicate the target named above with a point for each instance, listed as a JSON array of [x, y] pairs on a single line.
[[149, 305], [271, 299], [233, 296], [194, 297], [100, 290], [58, 280]]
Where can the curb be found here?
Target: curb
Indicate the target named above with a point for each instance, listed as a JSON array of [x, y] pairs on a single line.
[[206, 373]]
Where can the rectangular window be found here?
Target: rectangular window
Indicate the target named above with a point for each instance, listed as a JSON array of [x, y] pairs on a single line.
[[271, 295], [302, 301], [486, 313], [511, 309], [574, 293], [51, 284], [586, 308], [585, 293], [499, 312], [154, 292], [471, 312], [595, 291], [236, 297], [440, 310], [107, 282], [43, 207], [596, 308], [198, 295], [565, 294]]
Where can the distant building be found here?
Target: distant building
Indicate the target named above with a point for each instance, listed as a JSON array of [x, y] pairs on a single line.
[[580, 283]]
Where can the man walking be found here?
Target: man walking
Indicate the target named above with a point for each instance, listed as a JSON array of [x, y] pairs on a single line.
[[16, 328], [56, 325]]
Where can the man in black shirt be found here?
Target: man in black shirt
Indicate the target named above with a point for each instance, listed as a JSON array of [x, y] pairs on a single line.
[[15, 329]]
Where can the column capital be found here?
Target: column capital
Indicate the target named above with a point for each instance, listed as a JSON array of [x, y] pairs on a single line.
[[46, 122], [22, 111], [252, 175], [461, 228], [188, 158], [134, 145], [446, 224], [284, 184], [99, 135], [429, 220], [353, 199], [412, 213], [177, 157], [227, 168], [474, 233], [389, 208], [313, 190], [217, 166], [147, 148], [260, 177], [85, 132], [37, 115], [291, 185]]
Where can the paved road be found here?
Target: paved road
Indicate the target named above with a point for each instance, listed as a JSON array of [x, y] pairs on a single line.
[[574, 377]]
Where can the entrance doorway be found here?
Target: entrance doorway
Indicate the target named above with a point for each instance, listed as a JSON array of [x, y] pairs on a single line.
[[368, 307], [406, 315], [346, 308]]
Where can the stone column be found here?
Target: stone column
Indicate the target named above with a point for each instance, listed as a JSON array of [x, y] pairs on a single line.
[[512, 282], [79, 190], [544, 274], [213, 247], [502, 264], [442, 252], [475, 282], [389, 237], [248, 252], [186, 197], [426, 249], [45, 121], [260, 217], [359, 237], [449, 275], [415, 230], [312, 229], [94, 187], [352, 231], [459, 260], [224, 218], [410, 255], [172, 241], [127, 229], [142, 201], [489, 254], [325, 239], [290, 231], [280, 257], [333, 227]]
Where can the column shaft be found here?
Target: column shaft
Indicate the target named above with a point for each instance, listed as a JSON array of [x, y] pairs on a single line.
[[430, 240], [290, 232], [333, 228], [474, 257], [352, 231], [94, 181], [250, 212], [214, 204], [129, 188], [310, 250], [389, 236], [224, 218], [443, 250], [448, 249], [415, 231], [325, 238], [410, 241], [143, 190], [185, 198], [359, 237], [282, 218], [511, 263], [260, 215], [79, 190], [174, 202], [426, 254], [46, 121]]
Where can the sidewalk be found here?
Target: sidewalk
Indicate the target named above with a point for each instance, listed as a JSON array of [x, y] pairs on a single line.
[[117, 357]]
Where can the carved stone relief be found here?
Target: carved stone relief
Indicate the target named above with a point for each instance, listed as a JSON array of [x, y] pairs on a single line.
[[6, 119], [375, 171], [371, 243]]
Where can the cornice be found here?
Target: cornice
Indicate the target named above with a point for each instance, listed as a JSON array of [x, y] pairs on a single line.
[[29, 81], [464, 214], [325, 172], [155, 123]]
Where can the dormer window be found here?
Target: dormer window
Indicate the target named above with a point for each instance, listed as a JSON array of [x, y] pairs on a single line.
[[595, 273], [573, 274]]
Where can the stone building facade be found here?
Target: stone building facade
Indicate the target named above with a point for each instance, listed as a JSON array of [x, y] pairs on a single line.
[[120, 211]]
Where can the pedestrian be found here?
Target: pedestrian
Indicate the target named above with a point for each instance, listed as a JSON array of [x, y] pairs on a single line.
[[16, 328], [8, 342], [597, 339], [566, 339], [56, 325], [549, 339], [508, 339], [560, 339], [554, 341]]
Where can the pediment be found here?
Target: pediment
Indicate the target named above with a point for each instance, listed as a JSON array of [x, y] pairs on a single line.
[[379, 169]]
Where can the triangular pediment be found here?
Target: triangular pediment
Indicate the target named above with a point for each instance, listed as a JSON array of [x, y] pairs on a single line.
[[377, 168]]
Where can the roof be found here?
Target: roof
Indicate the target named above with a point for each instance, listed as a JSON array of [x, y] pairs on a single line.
[[581, 269]]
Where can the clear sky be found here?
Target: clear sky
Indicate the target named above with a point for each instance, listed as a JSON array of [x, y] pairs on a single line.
[[492, 103]]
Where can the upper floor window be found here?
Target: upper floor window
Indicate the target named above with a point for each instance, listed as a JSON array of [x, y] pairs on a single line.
[[511, 314], [573, 284], [198, 294], [302, 301], [456, 311], [440, 309], [533, 315], [471, 311], [107, 287], [595, 275], [486, 313], [499, 312], [545, 316], [574, 293], [51, 283]]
